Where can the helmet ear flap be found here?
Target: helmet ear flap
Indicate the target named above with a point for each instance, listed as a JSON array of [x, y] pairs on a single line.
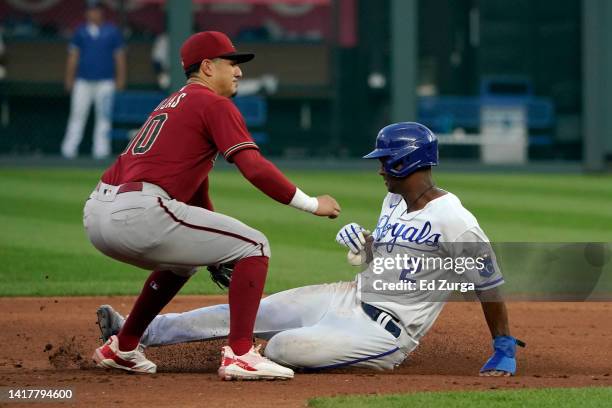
[[401, 161]]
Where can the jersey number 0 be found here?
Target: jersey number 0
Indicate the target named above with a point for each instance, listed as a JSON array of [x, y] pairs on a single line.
[[143, 141]]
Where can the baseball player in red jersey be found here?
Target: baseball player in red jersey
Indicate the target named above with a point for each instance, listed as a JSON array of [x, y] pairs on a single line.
[[151, 208]]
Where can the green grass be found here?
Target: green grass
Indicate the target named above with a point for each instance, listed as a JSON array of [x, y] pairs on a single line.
[[540, 398], [44, 250]]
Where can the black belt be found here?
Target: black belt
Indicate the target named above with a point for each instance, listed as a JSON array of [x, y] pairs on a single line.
[[375, 312]]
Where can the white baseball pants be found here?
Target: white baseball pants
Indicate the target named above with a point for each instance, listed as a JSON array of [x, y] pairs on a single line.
[[150, 230], [84, 92], [312, 327]]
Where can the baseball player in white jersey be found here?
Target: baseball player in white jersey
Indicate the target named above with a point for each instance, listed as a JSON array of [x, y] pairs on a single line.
[[376, 320]]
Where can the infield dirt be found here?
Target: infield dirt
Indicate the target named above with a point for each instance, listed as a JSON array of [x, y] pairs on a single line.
[[48, 342]]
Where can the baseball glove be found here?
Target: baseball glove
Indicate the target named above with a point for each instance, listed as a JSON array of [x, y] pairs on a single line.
[[221, 274]]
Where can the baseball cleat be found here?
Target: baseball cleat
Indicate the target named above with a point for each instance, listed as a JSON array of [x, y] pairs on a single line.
[[250, 366], [109, 356], [109, 322]]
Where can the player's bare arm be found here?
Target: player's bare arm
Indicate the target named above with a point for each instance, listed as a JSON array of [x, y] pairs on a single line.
[[120, 69], [502, 363], [495, 311]]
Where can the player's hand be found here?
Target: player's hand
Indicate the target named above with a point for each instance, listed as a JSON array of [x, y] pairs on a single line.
[[502, 363], [328, 207], [352, 236]]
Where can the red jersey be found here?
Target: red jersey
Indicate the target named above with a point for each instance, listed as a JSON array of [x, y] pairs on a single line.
[[177, 146]]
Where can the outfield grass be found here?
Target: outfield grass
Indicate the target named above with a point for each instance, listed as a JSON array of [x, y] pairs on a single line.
[[540, 398], [44, 250]]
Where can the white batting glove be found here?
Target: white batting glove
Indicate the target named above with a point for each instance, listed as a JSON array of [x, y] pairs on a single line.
[[351, 236]]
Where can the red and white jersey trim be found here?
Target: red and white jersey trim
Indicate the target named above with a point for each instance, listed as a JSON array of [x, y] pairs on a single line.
[[239, 146]]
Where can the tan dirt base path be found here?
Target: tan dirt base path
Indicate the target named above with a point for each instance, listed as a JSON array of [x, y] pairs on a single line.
[[48, 342]]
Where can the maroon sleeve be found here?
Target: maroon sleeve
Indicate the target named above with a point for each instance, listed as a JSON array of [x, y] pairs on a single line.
[[264, 175], [227, 129]]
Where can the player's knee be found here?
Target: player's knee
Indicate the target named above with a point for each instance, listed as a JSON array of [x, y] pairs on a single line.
[[311, 348], [261, 246], [280, 351], [292, 351]]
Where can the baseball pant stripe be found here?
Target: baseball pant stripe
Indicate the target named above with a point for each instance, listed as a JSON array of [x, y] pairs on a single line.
[[348, 363], [202, 228]]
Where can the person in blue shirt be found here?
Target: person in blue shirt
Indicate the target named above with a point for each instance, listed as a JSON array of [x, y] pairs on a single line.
[[95, 68]]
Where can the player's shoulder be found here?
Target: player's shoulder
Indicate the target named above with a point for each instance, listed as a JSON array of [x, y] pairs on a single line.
[[80, 29], [219, 105], [453, 214], [391, 197], [393, 201]]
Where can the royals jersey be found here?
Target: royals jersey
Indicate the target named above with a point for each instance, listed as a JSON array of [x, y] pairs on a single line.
[[420, 259], [176, 147]]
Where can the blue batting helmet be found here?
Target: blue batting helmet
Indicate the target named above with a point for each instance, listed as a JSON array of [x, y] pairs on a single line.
[[405, 147]]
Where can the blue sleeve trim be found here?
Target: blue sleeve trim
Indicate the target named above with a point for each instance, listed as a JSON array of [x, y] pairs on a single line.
[[489, 284]]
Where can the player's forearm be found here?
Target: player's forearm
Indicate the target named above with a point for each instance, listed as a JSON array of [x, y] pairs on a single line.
[[267, 178], [496, 316], [264, 175], [71, 66]]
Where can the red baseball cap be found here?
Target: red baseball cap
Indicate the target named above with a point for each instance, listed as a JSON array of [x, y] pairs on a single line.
[[209, 45]]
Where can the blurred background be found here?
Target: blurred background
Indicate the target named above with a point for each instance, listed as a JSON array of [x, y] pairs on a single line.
[[502, 82]]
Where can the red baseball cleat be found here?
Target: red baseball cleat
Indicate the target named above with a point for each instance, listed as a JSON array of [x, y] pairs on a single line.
[[250, 366], [109, 356]]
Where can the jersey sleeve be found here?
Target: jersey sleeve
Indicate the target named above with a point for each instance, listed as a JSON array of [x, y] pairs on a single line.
[[76, 42], [265, 176], [117, 42], [473, 250], [228, 129]]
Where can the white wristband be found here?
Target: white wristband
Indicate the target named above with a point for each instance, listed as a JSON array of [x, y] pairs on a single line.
[[303, 201]]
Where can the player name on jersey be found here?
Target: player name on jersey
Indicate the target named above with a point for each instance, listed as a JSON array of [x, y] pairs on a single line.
[[171, 102]]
